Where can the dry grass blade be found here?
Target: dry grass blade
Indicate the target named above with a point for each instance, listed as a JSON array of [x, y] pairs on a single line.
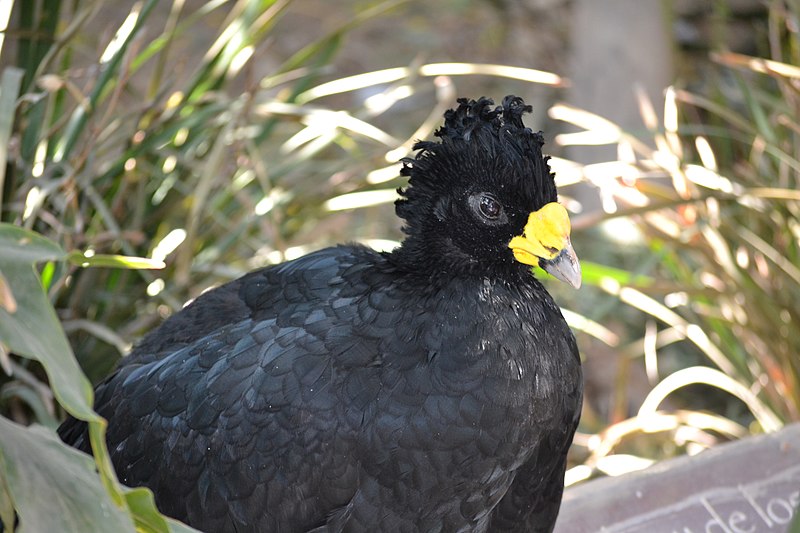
[[604, 443], [689, 330], [590, 327], [757, 64], [381, 77], [709, 376]]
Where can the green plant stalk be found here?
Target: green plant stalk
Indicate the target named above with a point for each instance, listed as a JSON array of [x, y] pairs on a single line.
[[80, 115], [168, 35]]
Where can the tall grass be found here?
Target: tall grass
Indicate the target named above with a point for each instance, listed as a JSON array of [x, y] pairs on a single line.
[[712, 195]]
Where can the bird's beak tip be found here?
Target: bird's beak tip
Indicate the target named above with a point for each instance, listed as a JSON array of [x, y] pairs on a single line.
[[565, 266]]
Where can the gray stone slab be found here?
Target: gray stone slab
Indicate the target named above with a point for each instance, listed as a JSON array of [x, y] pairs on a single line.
[[749, 486]]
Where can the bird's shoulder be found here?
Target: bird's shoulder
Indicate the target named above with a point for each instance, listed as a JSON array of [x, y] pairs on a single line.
[[288, 288]]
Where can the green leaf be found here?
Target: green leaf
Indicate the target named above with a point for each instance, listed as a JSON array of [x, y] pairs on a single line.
[[9, 90], [79, 258], [7, 514], [33, 330], [143, 507], [18, 245], [142, 503], [179, 527], [54, 487]]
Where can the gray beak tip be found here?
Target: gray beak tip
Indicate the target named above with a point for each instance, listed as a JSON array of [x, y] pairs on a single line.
[[565, 266]]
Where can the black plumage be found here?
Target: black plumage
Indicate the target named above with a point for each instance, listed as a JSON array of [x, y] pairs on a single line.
[[433, 388]]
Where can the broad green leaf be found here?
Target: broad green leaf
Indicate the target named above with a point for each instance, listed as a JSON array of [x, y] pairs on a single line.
[[143, 507], [18, 245], [7, 513], [10, 82], [33, 330], [179, 527], [54, 487]]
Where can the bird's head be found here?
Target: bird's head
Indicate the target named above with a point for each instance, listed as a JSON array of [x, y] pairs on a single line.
[[482, 198]]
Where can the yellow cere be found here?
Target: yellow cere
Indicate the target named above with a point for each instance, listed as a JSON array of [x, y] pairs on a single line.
[[546, 234]]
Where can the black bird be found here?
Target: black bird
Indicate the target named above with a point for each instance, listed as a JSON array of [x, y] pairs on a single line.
[[433, 388]]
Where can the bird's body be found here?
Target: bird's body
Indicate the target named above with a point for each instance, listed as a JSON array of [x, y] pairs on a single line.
[[351, 390]]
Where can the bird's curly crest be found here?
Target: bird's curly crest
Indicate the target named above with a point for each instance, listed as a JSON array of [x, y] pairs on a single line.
[[474, 114], [478, 135]]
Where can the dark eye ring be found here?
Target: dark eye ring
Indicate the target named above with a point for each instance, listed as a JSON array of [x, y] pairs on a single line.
[[489, 207]]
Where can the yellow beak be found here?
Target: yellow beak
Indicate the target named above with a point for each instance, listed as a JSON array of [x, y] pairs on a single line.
[[545, 242]]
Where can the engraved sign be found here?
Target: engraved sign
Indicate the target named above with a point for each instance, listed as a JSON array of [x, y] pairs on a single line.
[[750, 486]]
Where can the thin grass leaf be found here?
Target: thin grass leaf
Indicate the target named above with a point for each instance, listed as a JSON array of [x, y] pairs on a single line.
[[39, 20], [759, 116], [186, 23], [82, 259], [727, 114], [692, 331], [322, 48], [100, 331], [773, 193], [772, 254]]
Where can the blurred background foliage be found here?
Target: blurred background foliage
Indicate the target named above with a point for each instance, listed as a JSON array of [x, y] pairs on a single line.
[[220, 136]]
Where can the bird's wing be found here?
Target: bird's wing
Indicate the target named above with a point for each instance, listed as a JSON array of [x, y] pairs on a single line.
[[231, 420]]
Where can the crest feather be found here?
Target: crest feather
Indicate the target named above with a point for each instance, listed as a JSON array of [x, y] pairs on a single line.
[[477, 136]]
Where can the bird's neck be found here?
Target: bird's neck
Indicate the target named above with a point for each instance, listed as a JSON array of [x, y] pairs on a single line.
[[414, 260]]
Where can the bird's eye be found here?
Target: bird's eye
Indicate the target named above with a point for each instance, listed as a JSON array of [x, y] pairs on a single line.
[[489, 207]]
